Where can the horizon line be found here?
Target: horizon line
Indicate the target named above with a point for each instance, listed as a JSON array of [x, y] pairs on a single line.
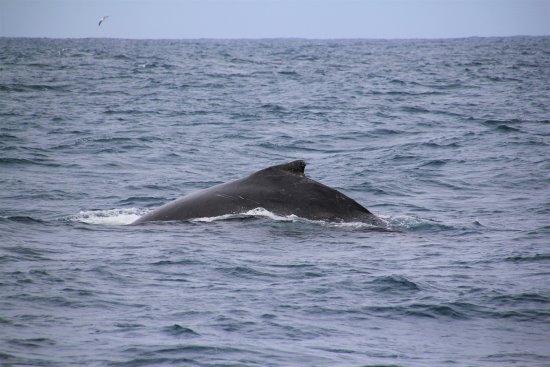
[[277, 38]]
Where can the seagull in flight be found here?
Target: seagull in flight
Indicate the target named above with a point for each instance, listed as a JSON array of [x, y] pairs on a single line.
[[102, 19]]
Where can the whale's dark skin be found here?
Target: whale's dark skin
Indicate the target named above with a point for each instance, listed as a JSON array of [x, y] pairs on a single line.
[[282, 189]]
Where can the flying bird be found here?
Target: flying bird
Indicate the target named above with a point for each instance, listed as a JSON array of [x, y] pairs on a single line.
[[102, 19]]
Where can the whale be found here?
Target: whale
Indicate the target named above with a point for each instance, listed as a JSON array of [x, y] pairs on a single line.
[[283, 189]]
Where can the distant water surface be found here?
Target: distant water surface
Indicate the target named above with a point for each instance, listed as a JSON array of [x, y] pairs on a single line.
[[447, 140]]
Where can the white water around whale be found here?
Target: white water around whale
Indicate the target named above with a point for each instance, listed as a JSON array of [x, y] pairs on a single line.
[[126, 216], [121, 216]]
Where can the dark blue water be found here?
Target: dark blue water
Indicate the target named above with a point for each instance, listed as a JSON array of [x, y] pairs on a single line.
[[447, 140]]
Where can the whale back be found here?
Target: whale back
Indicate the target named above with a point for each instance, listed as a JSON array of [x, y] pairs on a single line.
[[282, 189]]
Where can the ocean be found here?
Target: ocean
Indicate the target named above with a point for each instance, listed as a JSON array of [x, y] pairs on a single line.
[[448, 141]]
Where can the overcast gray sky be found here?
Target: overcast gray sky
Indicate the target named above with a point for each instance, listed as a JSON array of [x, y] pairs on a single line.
[[274, 18]]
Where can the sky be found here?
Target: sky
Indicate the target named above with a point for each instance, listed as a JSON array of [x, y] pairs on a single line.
[[318, 19]]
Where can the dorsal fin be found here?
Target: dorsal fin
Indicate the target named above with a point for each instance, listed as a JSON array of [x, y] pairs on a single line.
[[294, 167]]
